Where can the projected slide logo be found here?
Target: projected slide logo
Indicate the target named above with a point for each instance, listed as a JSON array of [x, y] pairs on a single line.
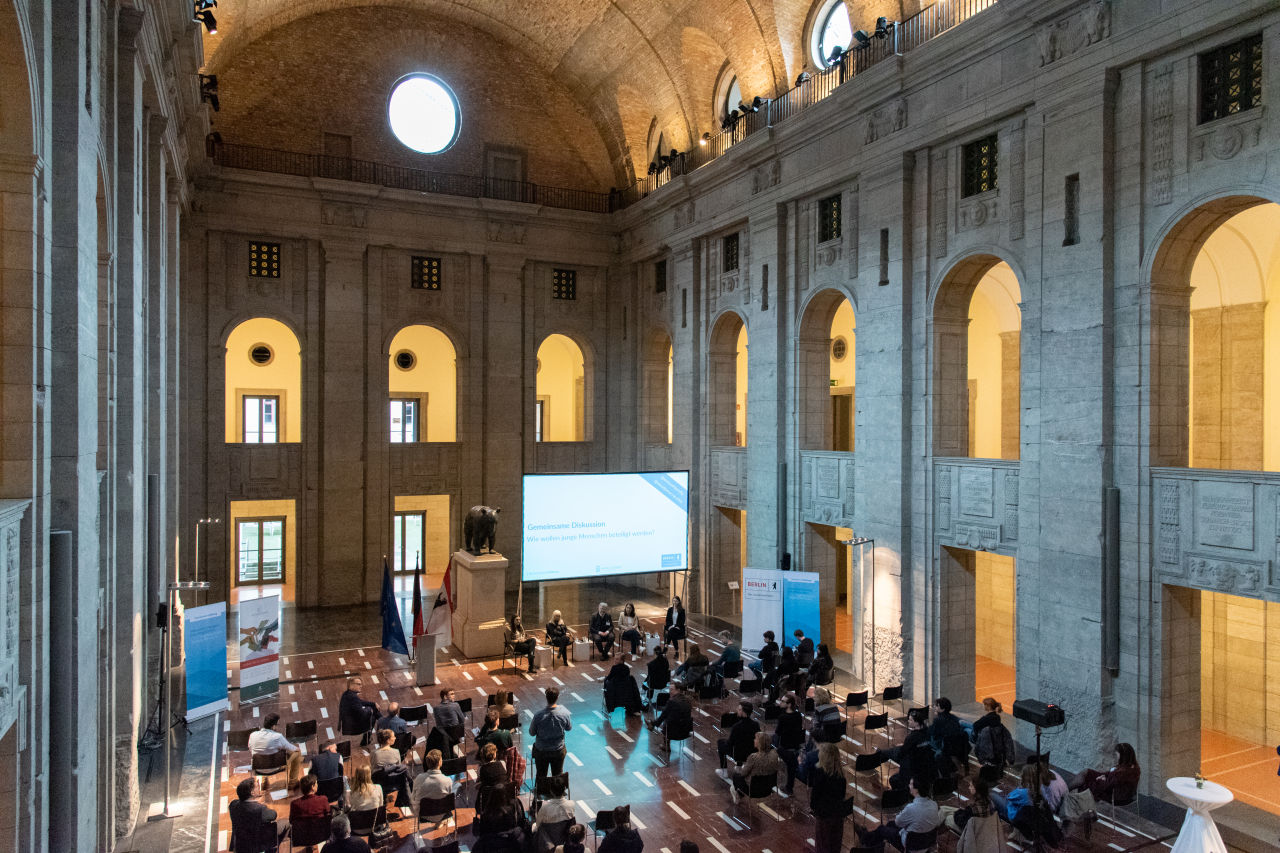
[[598, 525]]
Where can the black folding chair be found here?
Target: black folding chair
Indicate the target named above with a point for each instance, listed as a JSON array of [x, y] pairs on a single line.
[[301, 732], [893, 800], [310, 831], [456, 769], [268, 764], [733, 669], [727, 720], [404, 744], [921, 842], [542, 788], [758, 788], [238, 739], [604, 822], [363, 821], [416, 714], [446, 805], [871, 762], [332, 789], [871, 722], [893, 694]]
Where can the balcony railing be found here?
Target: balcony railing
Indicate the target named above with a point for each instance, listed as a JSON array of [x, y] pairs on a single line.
[[903, 37], [252, 157]]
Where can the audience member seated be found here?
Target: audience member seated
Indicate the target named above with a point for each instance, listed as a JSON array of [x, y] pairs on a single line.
[[445, 741], [1117, 785], [741, 739], [987, 835], [326, 764], [694, 669], [386, 759], [658, 673], [674, 630], [449, 714], [343, 841], [768, 657], [431, 783], [559, 636], [251, 821], [577, 842], [620, 689], [992, 707], [356, 715], [788, 737], [731, 654], [557, 807], [1053, 788], [920, 815], [386, 755], [763, 762], [392, 719], [502, 700], [1020, 810], [827, 800], [629, 625], [490, 733], [364, 795], [492, 772], [804, 649], [777, 680], [601, 629], [825, 713], [548, 727], [946, 735], [520, 642], [310, 804], [497, 811], [267, 739], [823, 669], [914, 755], [677, 716], [622, 838]]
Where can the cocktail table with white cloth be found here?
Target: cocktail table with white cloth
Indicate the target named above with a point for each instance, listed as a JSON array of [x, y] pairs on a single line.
[[1199, 833]]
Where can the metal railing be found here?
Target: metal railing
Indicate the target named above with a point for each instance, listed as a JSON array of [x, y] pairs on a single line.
[[903, 37], [236, 156]]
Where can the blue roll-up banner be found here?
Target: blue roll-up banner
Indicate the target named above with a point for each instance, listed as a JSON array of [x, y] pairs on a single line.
[[801, 607], [204, 642]]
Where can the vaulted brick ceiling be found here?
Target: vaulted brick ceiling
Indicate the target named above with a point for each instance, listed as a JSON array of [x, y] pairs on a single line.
[[630, 64]]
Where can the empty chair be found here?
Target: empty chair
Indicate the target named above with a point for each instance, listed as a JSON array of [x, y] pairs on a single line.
[[300, 732], [415, 714], [853, 702], [869, 763], [893, 694], [309, 831], [748, 686], [871, 722], [363, 822], [446, 806], [759, 788]]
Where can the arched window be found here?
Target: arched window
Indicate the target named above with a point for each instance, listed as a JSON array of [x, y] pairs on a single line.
[[727, 382], [263, 372], [826, 357], [422, 385], [732, 98], [560, 411], [833, 30]]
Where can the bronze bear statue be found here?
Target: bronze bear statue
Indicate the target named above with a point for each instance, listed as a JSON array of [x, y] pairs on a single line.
[[479, 528]]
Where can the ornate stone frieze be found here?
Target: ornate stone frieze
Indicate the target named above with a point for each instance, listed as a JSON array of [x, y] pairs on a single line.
[[1161, 135], [1015, 186], [977, 211], [11, 513], [886, 119], [766, 176], [728, 477], [938, 204], [1074, 32], [502, 231], [1240, 576], [685, 215], [828, 253], [827, 487], [1170, 532], [344, 215], [1224, 140], [979, 537]]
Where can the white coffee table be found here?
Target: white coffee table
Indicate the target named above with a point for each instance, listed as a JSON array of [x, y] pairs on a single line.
[[1199, 833]]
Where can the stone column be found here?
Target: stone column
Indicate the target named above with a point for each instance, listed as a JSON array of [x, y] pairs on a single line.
[[1010, 393]]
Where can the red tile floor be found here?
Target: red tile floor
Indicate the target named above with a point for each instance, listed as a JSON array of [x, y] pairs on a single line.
[[1247, 769], [611, 760]]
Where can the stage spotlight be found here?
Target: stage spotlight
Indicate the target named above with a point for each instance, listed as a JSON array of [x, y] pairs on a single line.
[[757, 103], [862, 38], [882, 28], [706, 137], [836, 53], [210, 23], [209, 90]]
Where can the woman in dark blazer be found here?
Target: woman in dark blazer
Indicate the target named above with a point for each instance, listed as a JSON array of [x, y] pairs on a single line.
[[675, 628]]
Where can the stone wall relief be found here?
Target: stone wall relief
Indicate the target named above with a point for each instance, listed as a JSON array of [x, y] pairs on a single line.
[[886, 119], [685, 215], [850, 230], [976, 211], [344, 215], [1076, 31], [976, 506], [1160, 141], [728, 477], [938, 203], [11, 514], [827, 487], [765, 177], [1225, 138]]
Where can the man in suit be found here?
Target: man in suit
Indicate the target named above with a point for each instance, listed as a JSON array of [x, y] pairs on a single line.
[[251, 821], [741, 740], [602, 630], [804, 649], [677, 716], [356, 715]]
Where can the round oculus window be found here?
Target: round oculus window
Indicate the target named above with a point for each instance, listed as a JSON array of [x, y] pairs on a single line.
[[261, 354], [423, 113], [405, 360], [839, 348], [836, 31]]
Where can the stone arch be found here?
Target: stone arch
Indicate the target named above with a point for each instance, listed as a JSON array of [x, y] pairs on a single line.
[[977, 323], [639, 123], [702, 59], [657, 369], [280, 378], [1227, 426], [814, 339], [567, 385], [426, 391], [724, 376]]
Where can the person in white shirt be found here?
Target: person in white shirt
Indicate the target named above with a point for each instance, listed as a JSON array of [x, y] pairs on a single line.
[[919, 815], [267, 739], [556, 809], [431, 783]]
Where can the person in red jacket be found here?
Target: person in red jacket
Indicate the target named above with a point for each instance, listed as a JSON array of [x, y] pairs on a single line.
[[310, 804]]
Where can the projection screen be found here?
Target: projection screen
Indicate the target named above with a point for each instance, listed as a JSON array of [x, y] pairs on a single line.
[[601, 525]]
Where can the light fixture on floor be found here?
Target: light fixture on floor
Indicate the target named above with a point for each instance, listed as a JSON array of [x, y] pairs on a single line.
[[202, 13]]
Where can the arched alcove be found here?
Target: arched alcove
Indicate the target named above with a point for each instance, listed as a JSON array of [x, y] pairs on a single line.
[[977, 361], [263, 366], [562, 408], [727, 382], [422, 385], [658, 415], [826, 368]]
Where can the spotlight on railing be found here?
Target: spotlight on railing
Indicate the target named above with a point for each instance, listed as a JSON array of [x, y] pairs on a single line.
[[209, 90], [706, 137], [202, 14], [862, 39]]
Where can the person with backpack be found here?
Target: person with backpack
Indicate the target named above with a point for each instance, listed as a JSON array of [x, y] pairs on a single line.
[[915, 755], [994, 746]]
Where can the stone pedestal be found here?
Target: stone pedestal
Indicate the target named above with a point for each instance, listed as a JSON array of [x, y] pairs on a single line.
[[481, 582]]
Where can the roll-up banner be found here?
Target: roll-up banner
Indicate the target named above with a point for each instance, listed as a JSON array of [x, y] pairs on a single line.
[[259, 647], [761, 605], [204, 641], [800, 607]]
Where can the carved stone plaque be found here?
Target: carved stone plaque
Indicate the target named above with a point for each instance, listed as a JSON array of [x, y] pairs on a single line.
[[1224, 514], [976, 490], [826, 478]]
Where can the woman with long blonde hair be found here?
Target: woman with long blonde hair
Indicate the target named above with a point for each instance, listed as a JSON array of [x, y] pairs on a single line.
[[364, 794], [826, 799]]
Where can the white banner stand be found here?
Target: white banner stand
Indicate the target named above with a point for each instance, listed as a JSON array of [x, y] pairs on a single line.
[[426, 662]]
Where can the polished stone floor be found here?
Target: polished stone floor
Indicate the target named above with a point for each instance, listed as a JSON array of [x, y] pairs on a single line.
[[612, 760]]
